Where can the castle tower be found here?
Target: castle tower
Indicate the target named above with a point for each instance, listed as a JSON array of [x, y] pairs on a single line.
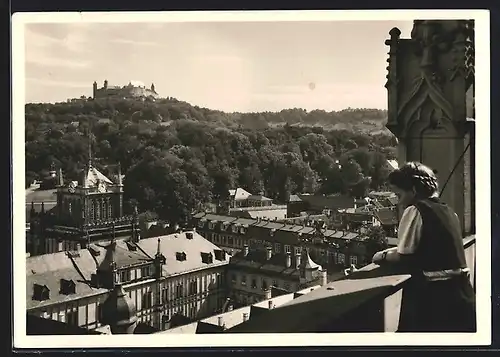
[[105, 84], [94, 89], [153, 87]]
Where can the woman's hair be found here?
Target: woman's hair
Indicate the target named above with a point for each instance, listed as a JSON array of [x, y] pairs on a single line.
[[414, 175]]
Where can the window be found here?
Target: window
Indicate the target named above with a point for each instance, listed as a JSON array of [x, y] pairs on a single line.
[[164, 322], [254, 283], [230, 241], [110, 210], [275, 283], [147, 300], [287, 248], [103, 209], [72, 317], [243, 280], [354, 259], [341, 258], [277, 248], [124, 276], [297, 250], [146, 271], [264, 284], [97, 210], [92, 210], [178, 291], [164, 295], [193, 287]]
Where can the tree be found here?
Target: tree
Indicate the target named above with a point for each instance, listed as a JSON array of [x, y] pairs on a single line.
[[376, 240]]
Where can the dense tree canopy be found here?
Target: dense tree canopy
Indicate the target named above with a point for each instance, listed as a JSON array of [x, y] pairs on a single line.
[[177, 157]]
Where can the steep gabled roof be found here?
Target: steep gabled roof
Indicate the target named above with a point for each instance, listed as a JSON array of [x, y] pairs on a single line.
[[93, 176]]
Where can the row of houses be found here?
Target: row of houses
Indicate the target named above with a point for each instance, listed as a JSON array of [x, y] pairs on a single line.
[[331, 248]]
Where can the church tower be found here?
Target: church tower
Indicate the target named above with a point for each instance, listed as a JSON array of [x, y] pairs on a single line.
[[88, 210]]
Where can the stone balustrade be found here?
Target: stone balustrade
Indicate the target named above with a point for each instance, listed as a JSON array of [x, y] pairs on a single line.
[[368, 300]]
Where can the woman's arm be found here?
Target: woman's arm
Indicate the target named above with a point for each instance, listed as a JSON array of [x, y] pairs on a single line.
[[409, 232]]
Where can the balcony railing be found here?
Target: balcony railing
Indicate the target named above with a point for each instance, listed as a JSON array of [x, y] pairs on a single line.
[[368, 300]]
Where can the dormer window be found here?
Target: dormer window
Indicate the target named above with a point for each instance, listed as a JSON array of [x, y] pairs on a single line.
[[67, 287], [200, 224], [235, 229], [41, 292], [189, 235], [131, 246], [94, 251], [207, 258], [220, 254], [211, 225], [180, 256], [242, 230]]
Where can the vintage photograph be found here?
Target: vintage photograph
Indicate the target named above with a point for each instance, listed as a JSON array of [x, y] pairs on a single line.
[[249, 175]]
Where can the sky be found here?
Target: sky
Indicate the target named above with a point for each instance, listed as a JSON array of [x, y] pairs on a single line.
[[229, 66]]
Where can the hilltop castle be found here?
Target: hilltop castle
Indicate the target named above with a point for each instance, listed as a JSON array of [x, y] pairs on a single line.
[[132, 90]]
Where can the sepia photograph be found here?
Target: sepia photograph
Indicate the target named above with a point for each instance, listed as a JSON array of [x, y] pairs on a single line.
[[268, 178]]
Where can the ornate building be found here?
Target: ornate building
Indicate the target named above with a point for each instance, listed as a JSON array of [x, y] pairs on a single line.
[[89, 210], [155, 282]]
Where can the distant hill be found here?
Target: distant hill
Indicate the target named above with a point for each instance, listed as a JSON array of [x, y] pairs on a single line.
[[167, 110]]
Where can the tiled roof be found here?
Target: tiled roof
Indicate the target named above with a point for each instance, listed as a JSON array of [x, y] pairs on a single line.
[[173, 243], [239, 194], [269, 214], [283, 232], [259, 198], [328, 202], [294, 198], [48, 270], [38, 196], [122, 254], [387, 216], [235, 317]]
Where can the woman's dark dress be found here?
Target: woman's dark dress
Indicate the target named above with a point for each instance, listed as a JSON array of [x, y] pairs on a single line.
[[443, 305]]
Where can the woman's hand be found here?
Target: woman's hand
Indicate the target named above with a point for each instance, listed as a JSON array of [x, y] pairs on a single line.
[[379, 256]]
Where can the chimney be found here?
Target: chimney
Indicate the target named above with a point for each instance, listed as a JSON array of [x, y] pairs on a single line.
[[245, 316], [269, 253], [297, 261], [270, 304], [220, 321], [288, 260], [245, 250], [189, 235]]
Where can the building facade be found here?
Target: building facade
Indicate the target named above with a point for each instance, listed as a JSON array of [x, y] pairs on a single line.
[[164, 277], [89, 210], [333, 249], [253, 274]]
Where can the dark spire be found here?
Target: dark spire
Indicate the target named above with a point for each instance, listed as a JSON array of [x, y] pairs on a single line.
[[119, 312], [60, 178]]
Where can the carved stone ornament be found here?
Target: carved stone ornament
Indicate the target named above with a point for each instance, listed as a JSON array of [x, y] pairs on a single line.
[[433, 42]]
